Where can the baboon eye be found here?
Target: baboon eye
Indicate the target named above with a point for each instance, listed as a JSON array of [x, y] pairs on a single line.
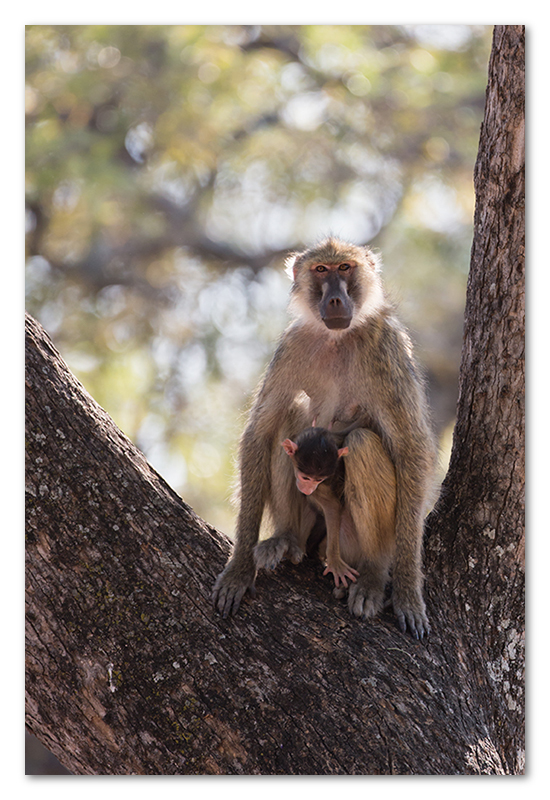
[[320, 268], [344, 267]]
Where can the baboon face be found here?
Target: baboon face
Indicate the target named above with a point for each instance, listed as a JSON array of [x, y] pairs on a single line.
[[330, 287], [314, 456], [336, 283]]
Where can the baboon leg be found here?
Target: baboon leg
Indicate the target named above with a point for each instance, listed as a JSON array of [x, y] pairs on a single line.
[[292, 518], [370, 495]]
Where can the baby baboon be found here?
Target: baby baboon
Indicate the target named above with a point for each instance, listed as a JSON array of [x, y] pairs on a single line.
[[315, 457], [344, 359]]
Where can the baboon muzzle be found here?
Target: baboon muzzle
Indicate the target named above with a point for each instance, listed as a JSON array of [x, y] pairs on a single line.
[[336, 307]]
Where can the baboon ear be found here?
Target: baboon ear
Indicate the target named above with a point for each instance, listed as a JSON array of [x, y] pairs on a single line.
[[290, 261], [343, 451], [289, 447], [374, 260]]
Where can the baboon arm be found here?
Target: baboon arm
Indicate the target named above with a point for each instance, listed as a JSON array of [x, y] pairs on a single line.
[[333, 516], [268, 410]]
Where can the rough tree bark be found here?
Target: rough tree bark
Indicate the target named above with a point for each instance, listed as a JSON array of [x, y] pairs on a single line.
[[129, 671], [476, 543]]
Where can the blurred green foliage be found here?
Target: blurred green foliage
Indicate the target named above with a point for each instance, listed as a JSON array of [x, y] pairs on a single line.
[[170, 167]]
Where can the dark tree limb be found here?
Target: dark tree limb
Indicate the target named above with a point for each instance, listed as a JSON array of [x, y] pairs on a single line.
[[129, 670], [478, 551]]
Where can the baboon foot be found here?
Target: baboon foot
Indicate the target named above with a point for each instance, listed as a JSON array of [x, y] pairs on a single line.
[[365, 601], [270, 552]]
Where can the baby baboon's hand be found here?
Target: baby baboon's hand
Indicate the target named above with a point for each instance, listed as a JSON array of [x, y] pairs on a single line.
[[340, 571]]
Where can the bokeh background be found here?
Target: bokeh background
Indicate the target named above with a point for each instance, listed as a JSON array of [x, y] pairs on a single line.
[[170, 168]]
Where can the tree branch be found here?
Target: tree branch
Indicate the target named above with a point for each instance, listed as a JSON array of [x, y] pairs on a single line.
[[130, 671]]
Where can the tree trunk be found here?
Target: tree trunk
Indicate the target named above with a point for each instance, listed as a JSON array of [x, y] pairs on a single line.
[[130, 671], [477, 542]]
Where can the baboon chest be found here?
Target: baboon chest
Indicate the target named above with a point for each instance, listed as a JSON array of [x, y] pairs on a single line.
[[335, 385]]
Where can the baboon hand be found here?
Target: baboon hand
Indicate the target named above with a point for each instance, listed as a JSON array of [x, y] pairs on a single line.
[[340, 571], [412, 616], [230, 587]]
